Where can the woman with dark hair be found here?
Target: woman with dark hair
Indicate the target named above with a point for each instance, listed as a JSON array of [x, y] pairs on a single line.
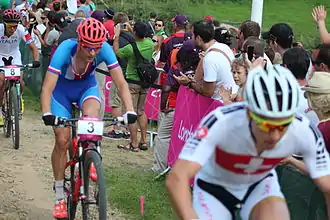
[[222, 35], [186, 63], [187, 59]]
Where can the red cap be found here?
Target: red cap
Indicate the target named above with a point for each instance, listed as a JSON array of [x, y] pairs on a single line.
[[208, 18]]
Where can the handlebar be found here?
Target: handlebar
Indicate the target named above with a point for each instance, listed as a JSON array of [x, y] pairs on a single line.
[[72, 122], [25, 66]]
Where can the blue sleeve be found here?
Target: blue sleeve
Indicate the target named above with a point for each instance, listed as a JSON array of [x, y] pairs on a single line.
[[108, 56], [61, 56]]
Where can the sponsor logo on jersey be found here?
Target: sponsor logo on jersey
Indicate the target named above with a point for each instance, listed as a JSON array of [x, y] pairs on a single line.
[[201, 132]]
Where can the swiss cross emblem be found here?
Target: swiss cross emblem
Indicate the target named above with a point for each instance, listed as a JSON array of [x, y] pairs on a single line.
[[201, 132], [244, 164]]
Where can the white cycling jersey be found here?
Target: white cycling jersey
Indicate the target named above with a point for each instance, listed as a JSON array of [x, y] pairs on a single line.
[[9, 46], [223, 145]]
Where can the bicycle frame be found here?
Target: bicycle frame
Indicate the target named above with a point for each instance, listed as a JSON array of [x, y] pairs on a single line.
[[79, 147], [78, 150], [12, 96]]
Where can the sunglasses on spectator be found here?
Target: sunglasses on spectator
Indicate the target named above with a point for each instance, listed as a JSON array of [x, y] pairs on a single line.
[[159, 25], [43, 18], [155, 41], [268, 125], [11, 25]]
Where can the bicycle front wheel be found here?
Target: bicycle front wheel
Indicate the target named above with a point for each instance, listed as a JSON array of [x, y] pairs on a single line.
[[15, 100], [6, 112], [98, 195]]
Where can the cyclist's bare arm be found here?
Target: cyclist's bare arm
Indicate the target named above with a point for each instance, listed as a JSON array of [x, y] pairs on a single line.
[[119, 80], [34, 50], [195, 153], [177, 184], [47, 90]]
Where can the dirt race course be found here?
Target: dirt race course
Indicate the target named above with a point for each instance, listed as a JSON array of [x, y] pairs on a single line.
[[26, 178]]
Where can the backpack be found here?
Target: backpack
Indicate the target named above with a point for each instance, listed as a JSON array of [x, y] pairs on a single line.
[[175, 51], [147, 72]]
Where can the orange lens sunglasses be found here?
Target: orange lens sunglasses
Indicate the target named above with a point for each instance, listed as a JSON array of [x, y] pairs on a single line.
[[268, 125]]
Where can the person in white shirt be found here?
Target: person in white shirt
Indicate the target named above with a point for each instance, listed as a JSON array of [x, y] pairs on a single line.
[[216, 62]]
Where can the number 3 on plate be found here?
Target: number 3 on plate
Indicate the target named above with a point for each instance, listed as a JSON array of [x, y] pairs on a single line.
[[90, 127]]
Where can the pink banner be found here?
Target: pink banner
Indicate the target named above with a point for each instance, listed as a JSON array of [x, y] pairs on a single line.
[[192, 108], [152, 101], [107, 86], [152, 104]]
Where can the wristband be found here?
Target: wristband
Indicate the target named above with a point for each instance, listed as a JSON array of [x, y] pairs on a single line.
[[47, 113]]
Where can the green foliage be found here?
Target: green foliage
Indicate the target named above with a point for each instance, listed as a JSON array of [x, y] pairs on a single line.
[[298, 15]]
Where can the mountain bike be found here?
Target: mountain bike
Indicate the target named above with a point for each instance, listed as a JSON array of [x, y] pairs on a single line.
[[85, 167], [11, 108]]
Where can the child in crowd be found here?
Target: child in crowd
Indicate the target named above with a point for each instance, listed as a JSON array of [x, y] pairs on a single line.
[[239, 69]]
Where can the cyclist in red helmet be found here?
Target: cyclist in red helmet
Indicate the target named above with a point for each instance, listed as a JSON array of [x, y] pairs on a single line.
[[71, 78], [11, 33]]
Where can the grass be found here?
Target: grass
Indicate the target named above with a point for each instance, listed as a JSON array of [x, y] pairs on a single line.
[[31, 102], [296, 13], [126, 185]]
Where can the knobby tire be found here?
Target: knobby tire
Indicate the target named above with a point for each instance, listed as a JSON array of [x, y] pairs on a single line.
[[89, 157], [6, 111], [15, 100]]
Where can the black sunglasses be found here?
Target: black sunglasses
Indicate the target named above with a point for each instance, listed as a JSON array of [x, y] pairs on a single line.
[[155, 41]]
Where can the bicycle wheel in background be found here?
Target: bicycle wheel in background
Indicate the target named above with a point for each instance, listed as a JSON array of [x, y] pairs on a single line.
[[6, 112], [15, 100], [98, 197], [71, 201]]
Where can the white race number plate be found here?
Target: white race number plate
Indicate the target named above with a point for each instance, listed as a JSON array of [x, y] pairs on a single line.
[[12, 71], [90, 127]]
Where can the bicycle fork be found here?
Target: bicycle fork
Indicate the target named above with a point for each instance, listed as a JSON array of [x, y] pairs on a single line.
[[18, 90], [79, 191]]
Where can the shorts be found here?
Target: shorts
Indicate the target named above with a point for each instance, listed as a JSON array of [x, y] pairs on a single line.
[[17, 60], [114, 100], [68, 91], [139, 96], [209, 207]]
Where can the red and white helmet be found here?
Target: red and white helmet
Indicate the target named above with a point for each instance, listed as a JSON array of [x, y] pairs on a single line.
[[92, 32], [10, 15]]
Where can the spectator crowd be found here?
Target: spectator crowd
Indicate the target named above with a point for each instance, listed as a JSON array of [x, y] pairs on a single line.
[[207, 56]]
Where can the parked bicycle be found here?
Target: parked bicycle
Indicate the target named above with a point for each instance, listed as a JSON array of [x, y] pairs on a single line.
[[85, 166], [11, 108]]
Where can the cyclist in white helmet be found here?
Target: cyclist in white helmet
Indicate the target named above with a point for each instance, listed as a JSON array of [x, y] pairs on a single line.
[[235, 149]]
